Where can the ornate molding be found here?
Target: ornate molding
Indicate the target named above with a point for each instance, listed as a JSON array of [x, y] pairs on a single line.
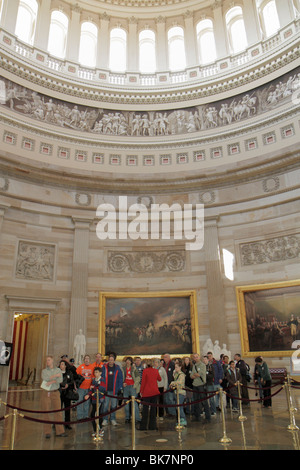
[[146, 261], [270, 251]]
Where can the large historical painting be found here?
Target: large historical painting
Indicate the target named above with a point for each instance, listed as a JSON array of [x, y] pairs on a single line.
[[101, 121], [148, 324], [269, 316]]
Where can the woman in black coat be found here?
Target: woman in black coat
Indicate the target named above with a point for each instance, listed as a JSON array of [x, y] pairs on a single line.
[[187, 369], [66, 386]]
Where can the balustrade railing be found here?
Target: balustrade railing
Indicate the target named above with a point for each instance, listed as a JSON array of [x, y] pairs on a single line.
[[99, 76]]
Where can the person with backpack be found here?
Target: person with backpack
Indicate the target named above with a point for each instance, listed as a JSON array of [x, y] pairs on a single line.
[[218, 378], [244, 370]]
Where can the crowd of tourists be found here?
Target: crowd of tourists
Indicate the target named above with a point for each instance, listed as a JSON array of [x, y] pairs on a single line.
[[158, 385]]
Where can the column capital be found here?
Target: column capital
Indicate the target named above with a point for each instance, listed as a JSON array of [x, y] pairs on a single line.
[[82, 222], [3, 208], [211, 221], [104, 17], [160, 20], [217, 4]]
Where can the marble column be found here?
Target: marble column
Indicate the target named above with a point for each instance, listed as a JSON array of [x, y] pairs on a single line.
[[79, 291], [161, 45], [73, 40], [132, 45], [251, 21], [220, 33], [9, 15], [214, 282], [190, 40], [285, 12], [103, 42], [43, 25]]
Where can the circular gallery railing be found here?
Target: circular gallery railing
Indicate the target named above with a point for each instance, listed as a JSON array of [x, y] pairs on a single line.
[[226, 66]]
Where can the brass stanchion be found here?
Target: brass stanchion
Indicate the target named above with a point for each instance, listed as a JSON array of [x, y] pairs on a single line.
[[224, 439], [13, 431], [241, 417], [133, 422], [98, 437], [292, 426], [178, 426]]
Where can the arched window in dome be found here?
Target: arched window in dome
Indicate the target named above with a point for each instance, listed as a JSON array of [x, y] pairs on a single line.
[[88, 44], [26, 20], [236, 30], [206, 41], [269, 16], [147, 55], [177, 59], [58, 33], [118, 50]]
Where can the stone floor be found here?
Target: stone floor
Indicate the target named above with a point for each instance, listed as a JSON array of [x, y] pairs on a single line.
[[264, 429]]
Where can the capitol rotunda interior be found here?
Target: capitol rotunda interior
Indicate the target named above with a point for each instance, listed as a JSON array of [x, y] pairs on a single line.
[[149, 203]]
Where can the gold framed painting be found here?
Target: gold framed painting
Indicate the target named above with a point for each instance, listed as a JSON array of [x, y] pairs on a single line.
[[269, 318], [148, 324]]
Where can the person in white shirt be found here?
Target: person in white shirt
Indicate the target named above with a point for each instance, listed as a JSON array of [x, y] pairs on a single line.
[[51, 380]]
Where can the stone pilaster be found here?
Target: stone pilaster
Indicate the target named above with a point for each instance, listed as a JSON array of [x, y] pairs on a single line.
[[214, 282], [79, 291]]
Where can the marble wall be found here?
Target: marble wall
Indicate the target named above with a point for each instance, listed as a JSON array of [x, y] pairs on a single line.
[[53, 262]]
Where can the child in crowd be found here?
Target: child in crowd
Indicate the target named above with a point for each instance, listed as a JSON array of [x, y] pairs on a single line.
[[95, 387]]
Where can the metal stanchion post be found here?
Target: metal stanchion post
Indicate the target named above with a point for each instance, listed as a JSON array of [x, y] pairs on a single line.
[[13, 431], [292, 426], [241, 417], [224, 439], [133, 421], [178, 427], [98, 437]]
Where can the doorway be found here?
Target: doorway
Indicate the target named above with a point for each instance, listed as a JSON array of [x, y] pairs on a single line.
[[30, 344]]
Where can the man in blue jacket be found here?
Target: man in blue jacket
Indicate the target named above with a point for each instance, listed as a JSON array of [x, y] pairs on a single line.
[[112, 380], [218, 379]]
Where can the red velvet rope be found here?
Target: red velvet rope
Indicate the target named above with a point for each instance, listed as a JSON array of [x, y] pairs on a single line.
[[210, 395]]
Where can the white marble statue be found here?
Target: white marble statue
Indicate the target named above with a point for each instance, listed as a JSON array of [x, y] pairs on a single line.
[[217, 350], [208, 346], [79, 347]]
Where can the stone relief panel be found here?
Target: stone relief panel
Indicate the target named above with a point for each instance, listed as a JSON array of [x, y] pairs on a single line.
[[149, 123], [35, 261], [146, 262], [268, 251]]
